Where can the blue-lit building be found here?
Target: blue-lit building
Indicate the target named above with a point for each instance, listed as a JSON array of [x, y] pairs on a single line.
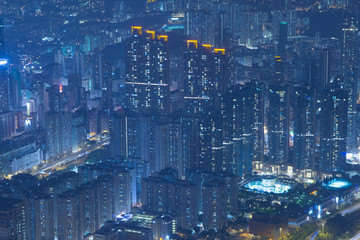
[[278, 123], [333, 131], [2, 39], [243, 127], [133, 136], [214, 205], [4, 86], [7, 125], [304, 130], [207, 71], [78, 131], [165, 193], [198, 85], [349, 58], [147, 72], [58, 134]]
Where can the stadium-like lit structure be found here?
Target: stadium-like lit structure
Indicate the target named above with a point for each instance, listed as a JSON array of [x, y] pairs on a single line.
[[338, 184], [268, 184]]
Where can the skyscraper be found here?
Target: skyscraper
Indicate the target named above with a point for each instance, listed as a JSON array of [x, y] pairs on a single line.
[[243, 116], [333, 129], [206, 71], [147, 72], [349, 57], [12, 219], [283, 39], [279, 69], [78, 130], [125, 135], [198, 85], [40, 215], [97, 70], [58, 134], [107, 91], [164, 193], [4, 86], [215, 208], [324, 68], [2, 39], [7, 119], [226, 180], [283, 33], [304, 114], [278, 123]]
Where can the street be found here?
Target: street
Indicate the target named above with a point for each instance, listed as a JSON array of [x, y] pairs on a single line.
[[350, 209], [357, 236], [73, 156], [343, 212]]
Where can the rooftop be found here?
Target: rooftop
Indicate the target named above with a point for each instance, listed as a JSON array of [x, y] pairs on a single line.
[[338, 184], [267, 184]]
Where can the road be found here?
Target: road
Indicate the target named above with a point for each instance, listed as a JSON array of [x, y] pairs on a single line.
[[343, 212], [313, 235], [350, 209], [357, 236], [73, 156]]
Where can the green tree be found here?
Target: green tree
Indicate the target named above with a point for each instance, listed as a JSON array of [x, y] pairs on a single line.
[[324, 236], [337, 225]]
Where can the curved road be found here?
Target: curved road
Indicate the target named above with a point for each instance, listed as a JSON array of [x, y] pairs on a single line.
[[348, 210], [357, 236], [73, 156]]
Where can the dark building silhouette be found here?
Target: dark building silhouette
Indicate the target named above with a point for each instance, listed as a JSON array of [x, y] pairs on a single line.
[[334, 127], [304, 115], [349, 57], [243, 127], [2, 39], [269, 226], [4, 86], [324, 68], [278, 123]]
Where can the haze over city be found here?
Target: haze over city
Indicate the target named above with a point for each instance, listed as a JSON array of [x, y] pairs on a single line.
[[179, 120]]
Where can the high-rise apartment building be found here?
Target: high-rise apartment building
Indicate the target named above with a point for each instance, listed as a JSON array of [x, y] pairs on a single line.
[[58, 134], [304, 118], [214, 205], [12, 219], [349, 57], [278, 123], [333, 131], [147, 72], [243, 127], [2, 39], [206, 71], [4, 86], [165, 193], [324, 68]]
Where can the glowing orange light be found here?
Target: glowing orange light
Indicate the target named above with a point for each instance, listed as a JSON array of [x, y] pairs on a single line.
[[60, 89], [222, 50], [164, 37], [313, 193], [195, 42], [137, 28], [152, 34], [207, 46]]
